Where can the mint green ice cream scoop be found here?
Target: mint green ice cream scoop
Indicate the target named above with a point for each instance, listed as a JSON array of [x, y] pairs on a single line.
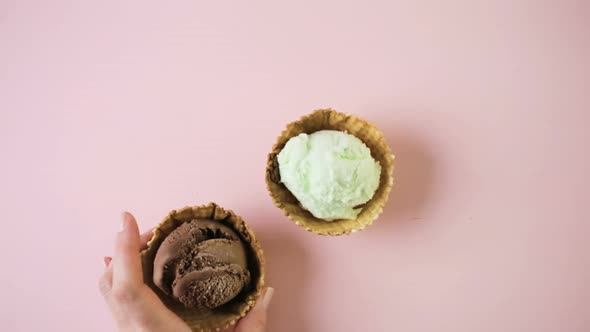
[[330, 172]]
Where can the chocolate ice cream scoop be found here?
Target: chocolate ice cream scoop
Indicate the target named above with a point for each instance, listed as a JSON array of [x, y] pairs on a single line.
[[202, 264]]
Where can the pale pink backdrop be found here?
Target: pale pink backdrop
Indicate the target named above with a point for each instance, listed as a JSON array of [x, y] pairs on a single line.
[[149, 106]]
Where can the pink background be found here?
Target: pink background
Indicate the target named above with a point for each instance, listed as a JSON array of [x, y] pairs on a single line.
[[113, 105]]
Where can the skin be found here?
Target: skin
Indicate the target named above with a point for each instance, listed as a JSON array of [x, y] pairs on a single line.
[[135, 307]]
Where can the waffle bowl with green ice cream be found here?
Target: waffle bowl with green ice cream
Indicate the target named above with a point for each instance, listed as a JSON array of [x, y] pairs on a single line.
[[330, 172]]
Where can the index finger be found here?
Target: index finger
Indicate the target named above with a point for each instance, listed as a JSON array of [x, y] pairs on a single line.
[[145, 237]]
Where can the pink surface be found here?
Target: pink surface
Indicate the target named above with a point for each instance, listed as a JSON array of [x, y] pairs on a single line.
[[108, 106]]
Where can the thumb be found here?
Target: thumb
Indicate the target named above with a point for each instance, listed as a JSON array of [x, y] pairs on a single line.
[[255, 321]]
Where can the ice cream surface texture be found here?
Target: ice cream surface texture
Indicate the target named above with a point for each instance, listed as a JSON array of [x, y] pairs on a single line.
[[202, 264], [330, 173]]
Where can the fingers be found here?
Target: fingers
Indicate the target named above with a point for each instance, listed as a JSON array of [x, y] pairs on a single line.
[[124, 247], [144, 238], [105, 283], [127, 273], [255, 320]]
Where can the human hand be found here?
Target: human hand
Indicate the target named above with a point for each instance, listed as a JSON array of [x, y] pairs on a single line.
[[135, 307]]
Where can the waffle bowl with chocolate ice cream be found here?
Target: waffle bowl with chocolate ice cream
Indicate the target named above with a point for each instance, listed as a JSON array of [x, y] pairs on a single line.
[[205, 265]]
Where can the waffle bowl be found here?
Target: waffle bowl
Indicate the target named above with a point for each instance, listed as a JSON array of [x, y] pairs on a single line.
[[204, 320], [328, 119]]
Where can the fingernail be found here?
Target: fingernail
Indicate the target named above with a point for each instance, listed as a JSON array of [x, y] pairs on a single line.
[[267, 297], [123, 221], [107, 260]]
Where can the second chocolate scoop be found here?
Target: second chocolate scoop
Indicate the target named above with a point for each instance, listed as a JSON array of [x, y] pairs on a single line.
[[202, 264]]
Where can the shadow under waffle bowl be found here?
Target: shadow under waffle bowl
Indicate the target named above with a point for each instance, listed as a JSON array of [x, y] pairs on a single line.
[[202, 320], [327, 119]]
